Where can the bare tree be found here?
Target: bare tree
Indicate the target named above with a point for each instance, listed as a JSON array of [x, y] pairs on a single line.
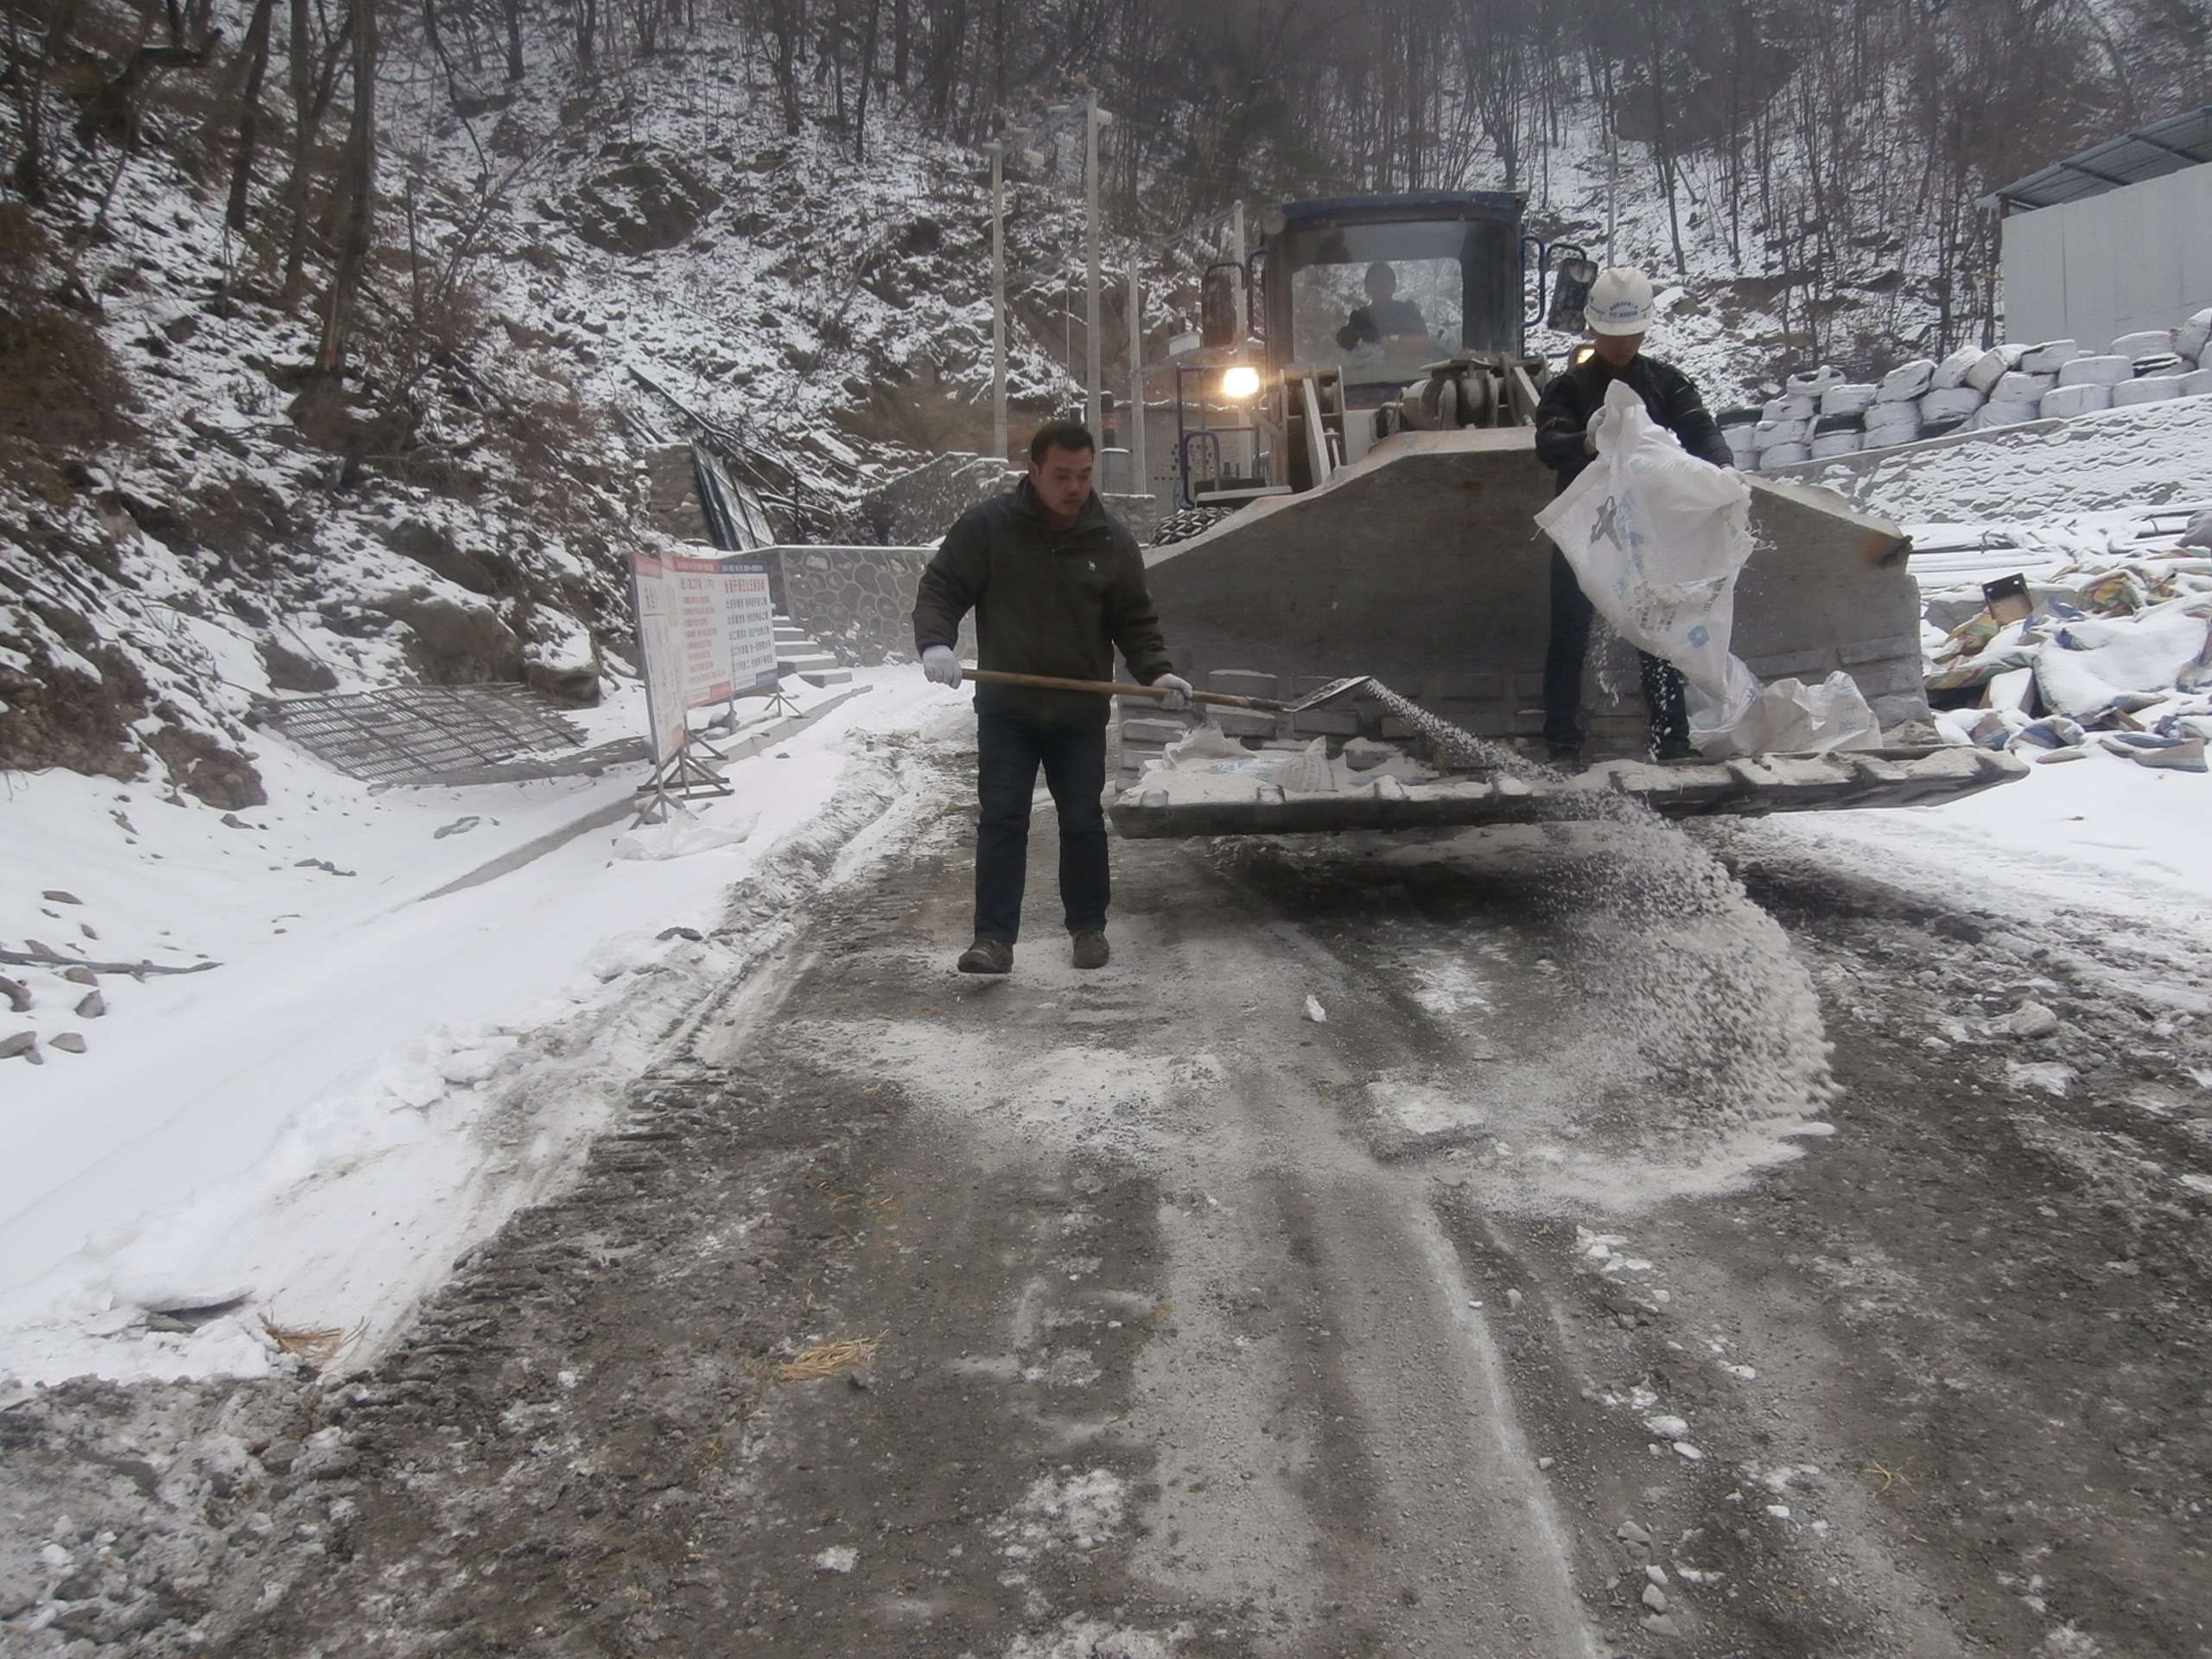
[[357, 236]]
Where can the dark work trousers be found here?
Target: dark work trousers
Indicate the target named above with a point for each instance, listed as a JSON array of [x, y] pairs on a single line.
[[1570, 643], [1006, 778]]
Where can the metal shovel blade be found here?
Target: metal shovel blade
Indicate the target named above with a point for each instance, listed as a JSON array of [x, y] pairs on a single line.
[[1328, 693]]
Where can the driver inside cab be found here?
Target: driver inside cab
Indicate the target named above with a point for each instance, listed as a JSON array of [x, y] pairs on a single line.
[[1384, 316]]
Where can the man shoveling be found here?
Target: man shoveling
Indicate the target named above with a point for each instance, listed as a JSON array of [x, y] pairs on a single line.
[[1057, 587]]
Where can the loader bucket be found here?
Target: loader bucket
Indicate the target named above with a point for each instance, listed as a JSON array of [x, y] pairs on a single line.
[[1421, 565]]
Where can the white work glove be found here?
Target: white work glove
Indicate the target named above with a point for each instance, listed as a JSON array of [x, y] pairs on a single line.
[[941, 665], [1179, 690], [1597, 425]]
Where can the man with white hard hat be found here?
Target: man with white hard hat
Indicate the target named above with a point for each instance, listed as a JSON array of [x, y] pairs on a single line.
[[1619, 314]]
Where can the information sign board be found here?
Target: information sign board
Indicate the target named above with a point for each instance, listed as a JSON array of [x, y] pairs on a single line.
[[701, 634], [653, 604], [749, 619]]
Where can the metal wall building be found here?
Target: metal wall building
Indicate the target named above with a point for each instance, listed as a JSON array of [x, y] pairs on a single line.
[[2114, 239]]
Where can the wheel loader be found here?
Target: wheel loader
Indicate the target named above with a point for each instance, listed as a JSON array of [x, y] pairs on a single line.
[[1357, 483]]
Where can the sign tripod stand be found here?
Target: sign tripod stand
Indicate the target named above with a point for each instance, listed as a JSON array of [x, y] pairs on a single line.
[[705, 629], [679, 778]]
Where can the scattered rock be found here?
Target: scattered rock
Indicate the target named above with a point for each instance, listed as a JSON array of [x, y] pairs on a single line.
[[288, 670], [650, 201], [1661, 1625], [1513, 1301], [24, 1042], [1631, 1532], [233, 821], [205, 769], [18, 996], [1315, 1012], [79, 974], [690, 933], [69, 1042], [433, 548], [2032, 1019], [458, 827], [61, 898], [280, 1454], [455, 644], [1654, 1597]]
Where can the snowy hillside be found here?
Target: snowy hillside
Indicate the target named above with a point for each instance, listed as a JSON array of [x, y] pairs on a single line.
[[464, 515]]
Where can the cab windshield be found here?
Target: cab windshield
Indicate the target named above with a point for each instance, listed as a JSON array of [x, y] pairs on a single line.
[[1379, 300], [1377, 320]]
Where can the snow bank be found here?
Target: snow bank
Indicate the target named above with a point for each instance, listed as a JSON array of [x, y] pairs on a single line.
[[370, 1081]]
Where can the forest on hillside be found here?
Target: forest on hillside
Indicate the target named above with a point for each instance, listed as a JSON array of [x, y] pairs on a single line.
[[301, 299], [1823, 149]]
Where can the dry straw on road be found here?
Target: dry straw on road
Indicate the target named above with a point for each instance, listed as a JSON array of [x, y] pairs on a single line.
[[823, 1359]]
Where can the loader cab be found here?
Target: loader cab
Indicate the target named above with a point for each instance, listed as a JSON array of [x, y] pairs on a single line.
[[1358, 316], [1451, 262]]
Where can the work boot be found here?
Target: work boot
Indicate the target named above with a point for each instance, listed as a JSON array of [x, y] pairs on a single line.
[[987, 956], [1672, 747], [1567, 756], [1091, 950]]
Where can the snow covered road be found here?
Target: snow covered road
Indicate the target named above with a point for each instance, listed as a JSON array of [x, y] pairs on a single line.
[[1557, 1292]]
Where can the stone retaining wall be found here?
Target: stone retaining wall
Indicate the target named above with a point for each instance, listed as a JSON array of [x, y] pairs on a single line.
[[857, 602]]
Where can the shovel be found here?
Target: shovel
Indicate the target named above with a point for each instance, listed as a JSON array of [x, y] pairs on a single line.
[[1332, 690]]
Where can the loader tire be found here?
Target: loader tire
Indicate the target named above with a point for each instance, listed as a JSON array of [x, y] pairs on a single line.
[[1190, 521]]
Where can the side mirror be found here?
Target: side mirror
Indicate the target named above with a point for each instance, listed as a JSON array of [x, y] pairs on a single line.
[[1218, 297], [1571, 290]]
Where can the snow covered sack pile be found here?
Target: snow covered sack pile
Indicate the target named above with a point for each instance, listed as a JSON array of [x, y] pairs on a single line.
[[2113, 654], [1821, 414]]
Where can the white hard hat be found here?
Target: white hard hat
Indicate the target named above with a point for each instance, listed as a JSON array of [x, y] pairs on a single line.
[[1619, 302]]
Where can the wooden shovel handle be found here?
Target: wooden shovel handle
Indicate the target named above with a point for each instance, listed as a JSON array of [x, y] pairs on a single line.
[[1109, 687]]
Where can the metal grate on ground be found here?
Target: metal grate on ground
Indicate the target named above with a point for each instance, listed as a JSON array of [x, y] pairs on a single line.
[[425, 734]]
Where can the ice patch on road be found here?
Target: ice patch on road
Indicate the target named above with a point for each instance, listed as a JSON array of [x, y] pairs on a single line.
[[1078, 1512], [1427, 1112], [1450, 985], [2051, 1077], [1056, 1101], [1088, 1638]]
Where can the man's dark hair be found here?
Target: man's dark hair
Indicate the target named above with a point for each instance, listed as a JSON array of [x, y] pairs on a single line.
[[1060, 434]]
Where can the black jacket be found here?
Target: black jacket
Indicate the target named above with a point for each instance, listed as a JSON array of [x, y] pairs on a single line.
[[1563, 413], [1046, 602]]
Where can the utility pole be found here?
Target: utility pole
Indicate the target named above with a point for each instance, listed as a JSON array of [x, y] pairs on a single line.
[[1612, 186], [1236, 252], [998, 301], [1093, 119], [1141, 479]]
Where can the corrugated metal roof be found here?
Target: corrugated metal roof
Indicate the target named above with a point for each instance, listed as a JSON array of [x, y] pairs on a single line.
[[2151, 152]]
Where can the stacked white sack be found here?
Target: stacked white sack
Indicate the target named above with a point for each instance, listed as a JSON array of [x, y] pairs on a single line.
[[1822, 413]]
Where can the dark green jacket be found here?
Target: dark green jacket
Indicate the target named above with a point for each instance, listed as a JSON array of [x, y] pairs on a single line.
[[1046, 602], [1570, 400]]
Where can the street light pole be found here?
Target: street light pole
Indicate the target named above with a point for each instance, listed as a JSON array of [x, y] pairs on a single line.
[[1093, 119], [998, 301], [1141, 479]]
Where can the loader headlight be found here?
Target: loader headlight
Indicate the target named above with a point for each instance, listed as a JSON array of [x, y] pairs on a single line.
[[1240, 381]]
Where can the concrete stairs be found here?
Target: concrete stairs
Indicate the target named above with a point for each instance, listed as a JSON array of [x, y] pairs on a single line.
[[797, 652]]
